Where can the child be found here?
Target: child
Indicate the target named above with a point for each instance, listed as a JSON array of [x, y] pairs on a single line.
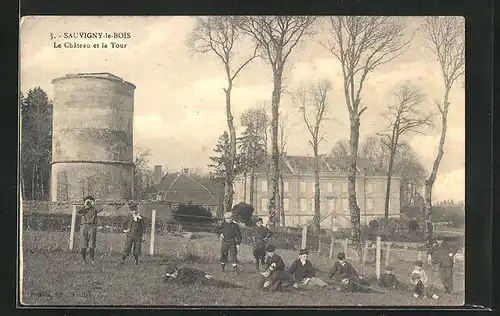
[[260, 237], [135, 234], [276, 274], [443, 255], [187, 276], [303, 273], [389, 280], [88, 229], [231, 240], [346, 277], [419, 279]]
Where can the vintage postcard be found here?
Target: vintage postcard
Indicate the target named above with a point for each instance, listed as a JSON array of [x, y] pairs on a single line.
[[242, 161]]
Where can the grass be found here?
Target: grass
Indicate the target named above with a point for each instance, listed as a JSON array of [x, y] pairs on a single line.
[[54, 276]]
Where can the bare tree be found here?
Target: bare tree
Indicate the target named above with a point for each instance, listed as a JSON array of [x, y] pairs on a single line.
[[340, 150], [403, 117], [143, 175], [361, 44], [313, 102], [278, 36], [446, 39], [220, 35], [283, 139]]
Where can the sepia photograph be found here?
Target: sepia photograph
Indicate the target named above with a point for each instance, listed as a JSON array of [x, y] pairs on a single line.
[[242, 161]]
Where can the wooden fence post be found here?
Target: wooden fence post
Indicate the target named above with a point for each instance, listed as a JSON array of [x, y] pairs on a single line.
[[153, 233], [331, 248], [304, 237], [419, 255], [319, 243], [377, 256], [388, 254], [73, 227], [365, 254]]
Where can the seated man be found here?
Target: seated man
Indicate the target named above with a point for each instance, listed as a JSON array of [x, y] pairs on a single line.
[[345, 276], [303, 273], [275, 275], [186, 276]]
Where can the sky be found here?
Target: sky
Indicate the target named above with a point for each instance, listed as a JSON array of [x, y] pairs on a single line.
[[179, 109]]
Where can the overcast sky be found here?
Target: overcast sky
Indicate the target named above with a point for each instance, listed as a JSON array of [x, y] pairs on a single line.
[[180, 104]]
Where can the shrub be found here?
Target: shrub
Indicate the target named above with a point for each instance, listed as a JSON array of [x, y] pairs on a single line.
[[413, 226], [193, 213], [243, 212]]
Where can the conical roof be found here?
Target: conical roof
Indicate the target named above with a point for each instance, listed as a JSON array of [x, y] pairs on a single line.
[[179, 187]]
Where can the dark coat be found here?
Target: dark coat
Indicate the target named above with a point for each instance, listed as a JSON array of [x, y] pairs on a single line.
[[299, 271], [339, 272], [231, 233], [441, 255], [280, 265], [89, 214]]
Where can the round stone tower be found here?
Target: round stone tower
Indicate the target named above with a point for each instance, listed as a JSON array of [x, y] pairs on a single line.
[[92, 137]]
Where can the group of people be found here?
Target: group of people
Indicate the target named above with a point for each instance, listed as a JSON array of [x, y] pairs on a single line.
[[300, 275]]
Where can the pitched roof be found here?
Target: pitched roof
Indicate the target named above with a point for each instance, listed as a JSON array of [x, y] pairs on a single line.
[[179, 187], [304, 164]]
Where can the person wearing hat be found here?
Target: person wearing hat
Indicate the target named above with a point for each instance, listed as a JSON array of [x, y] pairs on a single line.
[[187, 276], [345, 276], [303, 272], [230, 242], [88, 228], [260, 236], [134, 234], [443, 256], [388, 279]]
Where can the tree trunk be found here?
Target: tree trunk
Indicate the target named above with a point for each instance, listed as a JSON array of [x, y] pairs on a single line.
[[245, 187], [317, 195], [275, 149], [388, 185], [282, 199], [432, 178], [353, 205], [252, 181], [228, 194]]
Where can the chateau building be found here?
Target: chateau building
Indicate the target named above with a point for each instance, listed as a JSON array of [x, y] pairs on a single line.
[[299, 187]]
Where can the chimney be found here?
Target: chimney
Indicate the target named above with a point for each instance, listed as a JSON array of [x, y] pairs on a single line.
[[158, 174]]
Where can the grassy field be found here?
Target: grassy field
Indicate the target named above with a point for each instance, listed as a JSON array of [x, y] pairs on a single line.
[[51, 275]]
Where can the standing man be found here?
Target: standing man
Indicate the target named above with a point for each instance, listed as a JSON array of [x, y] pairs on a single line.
[[88, 228], [443, 256], [260, 236], [230, 243], [135, 234]]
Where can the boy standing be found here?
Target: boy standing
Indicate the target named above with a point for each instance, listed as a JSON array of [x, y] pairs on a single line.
[[88, 228], [443, 256], [260, 236], [135, 234], [230, 244]]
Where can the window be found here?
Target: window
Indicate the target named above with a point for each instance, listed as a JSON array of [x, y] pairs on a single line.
[[344, 187], [311, 205], [286, 204], [263, 185], [313, 187], [303, 206], [330, 187], [369, 206], [303, 188], [285, 186], [345, 205], [330, 205], [369, 188], [263, 205]]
